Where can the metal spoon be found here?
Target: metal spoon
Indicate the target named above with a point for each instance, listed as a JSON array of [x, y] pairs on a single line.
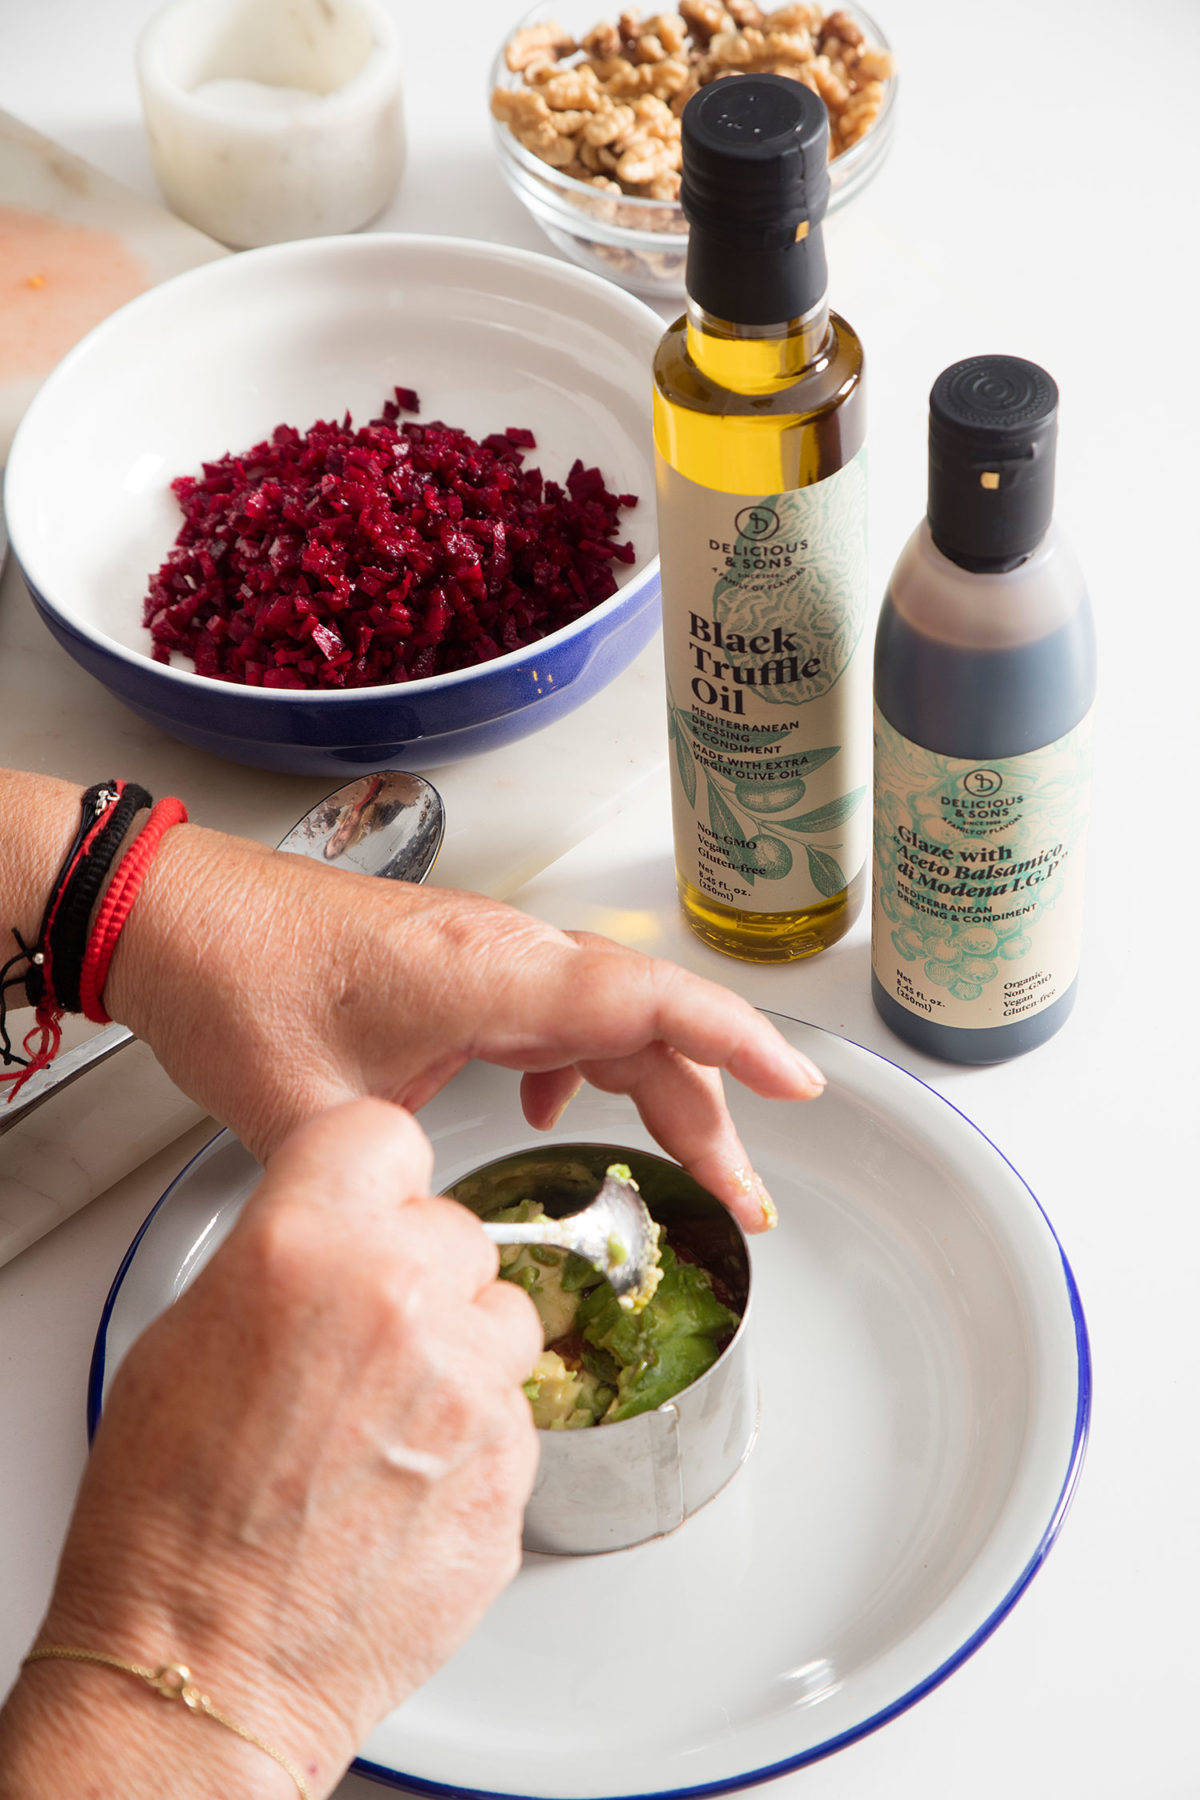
[[615, 1233], [388, 824]]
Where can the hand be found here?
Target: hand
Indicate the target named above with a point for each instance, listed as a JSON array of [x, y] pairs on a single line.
[[309, 1479], [270, 988]]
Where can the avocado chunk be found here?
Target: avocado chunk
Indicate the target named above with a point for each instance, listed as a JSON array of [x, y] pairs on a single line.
[[601, 1362], [664, 1348]]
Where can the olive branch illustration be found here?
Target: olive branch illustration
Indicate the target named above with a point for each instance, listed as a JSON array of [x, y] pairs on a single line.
[[758, 852]]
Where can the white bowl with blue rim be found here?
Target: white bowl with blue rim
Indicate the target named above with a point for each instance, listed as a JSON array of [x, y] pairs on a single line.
[[925, 1391], [212, 361]]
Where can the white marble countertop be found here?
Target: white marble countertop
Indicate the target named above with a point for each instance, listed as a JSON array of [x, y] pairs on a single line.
[[1040, 199]]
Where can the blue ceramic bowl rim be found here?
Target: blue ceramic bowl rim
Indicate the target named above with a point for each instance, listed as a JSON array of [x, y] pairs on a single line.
[[427, 686]]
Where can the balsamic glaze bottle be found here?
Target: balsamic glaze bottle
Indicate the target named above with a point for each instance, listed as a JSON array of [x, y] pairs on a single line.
[[984, 684]]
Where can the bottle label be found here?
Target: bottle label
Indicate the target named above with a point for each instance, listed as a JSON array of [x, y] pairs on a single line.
[[764, 609], [978, 891]]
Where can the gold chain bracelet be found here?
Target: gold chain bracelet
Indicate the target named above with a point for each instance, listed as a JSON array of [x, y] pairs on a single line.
[[173, 1681]]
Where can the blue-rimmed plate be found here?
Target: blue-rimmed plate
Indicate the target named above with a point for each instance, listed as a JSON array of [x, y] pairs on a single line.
[[925, 1387]]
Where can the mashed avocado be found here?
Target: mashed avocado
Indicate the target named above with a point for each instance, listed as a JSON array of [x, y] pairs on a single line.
[[601, 1362]]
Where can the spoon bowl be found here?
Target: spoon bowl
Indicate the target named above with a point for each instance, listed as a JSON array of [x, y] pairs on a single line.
[[615, 1234], [389, 824]]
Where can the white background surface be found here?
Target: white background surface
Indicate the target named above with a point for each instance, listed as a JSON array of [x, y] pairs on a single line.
[[1040, 199]]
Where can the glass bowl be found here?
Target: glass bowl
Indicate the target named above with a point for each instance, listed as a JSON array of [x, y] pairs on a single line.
[[642, 244]]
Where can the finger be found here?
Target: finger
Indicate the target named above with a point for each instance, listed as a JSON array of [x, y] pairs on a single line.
[[683, 1107], [513, 1320], [370, 1163], [443, 1249], [604, 1002], [546, 1093], [359, 1158]]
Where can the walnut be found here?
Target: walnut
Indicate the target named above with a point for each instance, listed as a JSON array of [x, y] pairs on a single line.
[[609, 124], [744, 12], [650, 48], [794, 18], [654, 115], [665, 187], [548, 143], [632, 79], [842, 26], [602, 42], [788, 46], [669, 77], [519, 108], [645, 160], [704, 18], [874, 66], [859, 114], [573, 90], [671, 32], [537, 43]]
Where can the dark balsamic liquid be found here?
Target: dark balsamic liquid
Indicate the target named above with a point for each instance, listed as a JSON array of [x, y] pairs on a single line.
[[981, 705]]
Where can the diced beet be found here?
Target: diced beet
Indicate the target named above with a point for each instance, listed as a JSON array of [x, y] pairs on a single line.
[[344, 558]]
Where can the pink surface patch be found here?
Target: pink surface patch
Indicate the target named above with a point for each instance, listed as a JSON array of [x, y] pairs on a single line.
[[56, 282]]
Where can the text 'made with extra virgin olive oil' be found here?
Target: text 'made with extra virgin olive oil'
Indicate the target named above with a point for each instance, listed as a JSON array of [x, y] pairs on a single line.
[[759, 428], [984, 683]]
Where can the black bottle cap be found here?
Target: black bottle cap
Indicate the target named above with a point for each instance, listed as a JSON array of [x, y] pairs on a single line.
[[754, 191], [992, 428]]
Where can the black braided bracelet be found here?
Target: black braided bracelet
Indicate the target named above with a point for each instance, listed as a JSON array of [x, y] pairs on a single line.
[[69, 930], [54, 962]]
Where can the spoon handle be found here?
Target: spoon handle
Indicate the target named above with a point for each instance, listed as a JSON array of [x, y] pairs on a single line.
[[539, 1231], [62, 1072]]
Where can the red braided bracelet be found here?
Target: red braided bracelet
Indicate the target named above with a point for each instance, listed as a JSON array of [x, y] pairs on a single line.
[[118, 903]]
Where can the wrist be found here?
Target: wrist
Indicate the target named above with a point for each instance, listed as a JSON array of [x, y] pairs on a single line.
[[171, 924], [144, 1600], [74, 1731]]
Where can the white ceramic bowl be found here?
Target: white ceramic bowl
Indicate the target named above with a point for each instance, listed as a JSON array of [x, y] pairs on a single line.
[[642, 244], [210, 362]]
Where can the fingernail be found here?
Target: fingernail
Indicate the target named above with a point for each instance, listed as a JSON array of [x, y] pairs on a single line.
[[752, 1186], [809, 1069], [563, 1107]]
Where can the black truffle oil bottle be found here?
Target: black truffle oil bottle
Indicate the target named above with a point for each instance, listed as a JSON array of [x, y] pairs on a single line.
[[985, 675], [759, 428]]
